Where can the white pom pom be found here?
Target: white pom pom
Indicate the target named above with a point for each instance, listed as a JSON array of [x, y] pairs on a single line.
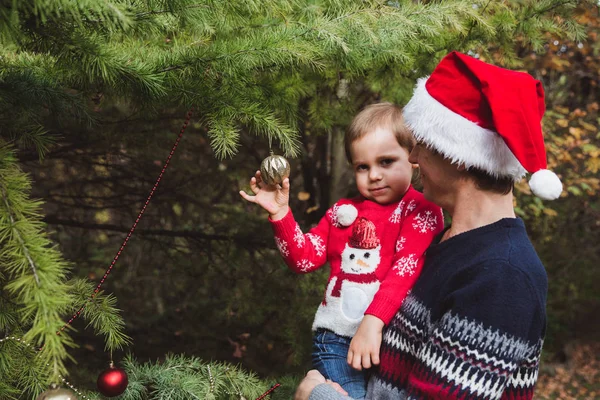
[[545, 184], [346, 214]]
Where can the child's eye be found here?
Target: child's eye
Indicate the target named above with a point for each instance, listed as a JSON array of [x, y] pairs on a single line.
[[387, 161], [361, 167]]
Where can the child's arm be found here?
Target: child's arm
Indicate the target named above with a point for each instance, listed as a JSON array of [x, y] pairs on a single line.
[[421, 222], [273, 198], [364, 347], [302, 253]]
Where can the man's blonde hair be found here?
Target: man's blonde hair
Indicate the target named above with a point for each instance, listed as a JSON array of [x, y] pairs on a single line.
[[379, 115]]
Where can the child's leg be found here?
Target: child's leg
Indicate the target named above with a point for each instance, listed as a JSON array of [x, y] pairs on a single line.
[[329, 357]]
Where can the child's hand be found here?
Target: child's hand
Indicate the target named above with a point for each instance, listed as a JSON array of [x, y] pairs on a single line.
[[273, 198], [364, 347]]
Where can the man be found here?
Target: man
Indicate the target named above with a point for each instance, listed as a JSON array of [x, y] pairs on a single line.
[[474, 323]]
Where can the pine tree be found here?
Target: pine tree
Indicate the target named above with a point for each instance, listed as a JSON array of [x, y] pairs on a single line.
[[266, 68]]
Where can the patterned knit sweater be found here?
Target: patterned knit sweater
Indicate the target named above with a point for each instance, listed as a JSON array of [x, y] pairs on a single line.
[[375, 258], [473, 325]]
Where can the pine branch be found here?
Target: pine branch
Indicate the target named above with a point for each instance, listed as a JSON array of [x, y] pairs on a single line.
[[101, 314], [181, 378], [540, 11], [144, 14], [17, 234], [34, 270], [472, 25]]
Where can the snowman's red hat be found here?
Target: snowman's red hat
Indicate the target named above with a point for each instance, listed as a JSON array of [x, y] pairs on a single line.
[[364, 235], [483, 116]]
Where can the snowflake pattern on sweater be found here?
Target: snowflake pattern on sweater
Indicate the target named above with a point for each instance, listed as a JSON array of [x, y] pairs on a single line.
[[282, 247], [317, 243], [387, 273], [400, 243], [426, 221], [406, 266]]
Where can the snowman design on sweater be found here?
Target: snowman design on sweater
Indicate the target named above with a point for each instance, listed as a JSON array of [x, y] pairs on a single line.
[[375, 253], [351, 292]]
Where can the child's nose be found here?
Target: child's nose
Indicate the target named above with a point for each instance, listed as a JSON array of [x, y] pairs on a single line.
[[375, 174]]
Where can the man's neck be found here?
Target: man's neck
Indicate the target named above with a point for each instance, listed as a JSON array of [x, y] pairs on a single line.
[[473, 208]]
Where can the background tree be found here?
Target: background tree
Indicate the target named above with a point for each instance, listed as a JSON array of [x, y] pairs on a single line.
[[565, 231], [91, 99]]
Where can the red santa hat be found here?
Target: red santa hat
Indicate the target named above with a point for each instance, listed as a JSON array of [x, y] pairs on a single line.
[[483, 116], [364, 235]]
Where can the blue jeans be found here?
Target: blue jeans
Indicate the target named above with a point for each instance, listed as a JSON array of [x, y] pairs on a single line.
[[329, 357]]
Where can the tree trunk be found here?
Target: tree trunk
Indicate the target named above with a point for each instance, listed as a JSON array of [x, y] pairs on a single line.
[[340, 171]]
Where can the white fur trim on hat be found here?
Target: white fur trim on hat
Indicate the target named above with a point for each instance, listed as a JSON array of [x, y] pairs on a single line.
[[458, 139], [346, 214], [545, 185]]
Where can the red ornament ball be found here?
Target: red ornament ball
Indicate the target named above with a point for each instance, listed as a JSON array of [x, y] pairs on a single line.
[[112, 382]]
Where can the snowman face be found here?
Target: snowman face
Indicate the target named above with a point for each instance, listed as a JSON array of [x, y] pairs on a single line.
[[360, 261]]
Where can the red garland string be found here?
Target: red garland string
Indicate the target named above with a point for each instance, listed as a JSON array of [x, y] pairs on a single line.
[[268, 392], [112, 264]]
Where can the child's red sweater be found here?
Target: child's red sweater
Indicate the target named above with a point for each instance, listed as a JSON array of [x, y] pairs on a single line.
[[403, 232]]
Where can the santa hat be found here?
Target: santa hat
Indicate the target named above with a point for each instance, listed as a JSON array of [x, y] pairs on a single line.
[[364, 235], [486, 117]]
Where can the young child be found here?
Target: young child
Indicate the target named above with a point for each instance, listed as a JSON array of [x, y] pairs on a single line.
[[374, 243]]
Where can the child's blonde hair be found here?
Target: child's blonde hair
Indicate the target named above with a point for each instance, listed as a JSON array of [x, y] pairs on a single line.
[[379, 115]]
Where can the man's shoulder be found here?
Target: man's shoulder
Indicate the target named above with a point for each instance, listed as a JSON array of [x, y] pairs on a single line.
[[510, 259], [513, 276], [521, 254], [499, 252]]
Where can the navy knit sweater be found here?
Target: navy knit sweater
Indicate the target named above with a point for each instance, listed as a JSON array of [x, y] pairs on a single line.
[[473, 325]]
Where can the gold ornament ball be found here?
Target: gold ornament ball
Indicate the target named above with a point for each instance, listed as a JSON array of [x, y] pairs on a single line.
[[56, 393], [274, 169]]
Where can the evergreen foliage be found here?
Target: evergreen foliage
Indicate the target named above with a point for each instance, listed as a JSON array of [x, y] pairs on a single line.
[[179, 378], [286, 72], [228, 59], [36, 291]]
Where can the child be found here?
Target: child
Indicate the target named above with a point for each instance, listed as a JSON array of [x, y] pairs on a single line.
[[374, 244]]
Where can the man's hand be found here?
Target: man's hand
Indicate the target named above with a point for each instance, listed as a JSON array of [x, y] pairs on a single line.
[[310, 381], [364, 347], [273, 198]]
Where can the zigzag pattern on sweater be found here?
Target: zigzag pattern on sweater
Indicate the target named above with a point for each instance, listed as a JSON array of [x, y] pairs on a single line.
[[462, 357]]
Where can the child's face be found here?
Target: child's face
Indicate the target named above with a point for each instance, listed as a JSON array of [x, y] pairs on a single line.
[[381, 166]]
